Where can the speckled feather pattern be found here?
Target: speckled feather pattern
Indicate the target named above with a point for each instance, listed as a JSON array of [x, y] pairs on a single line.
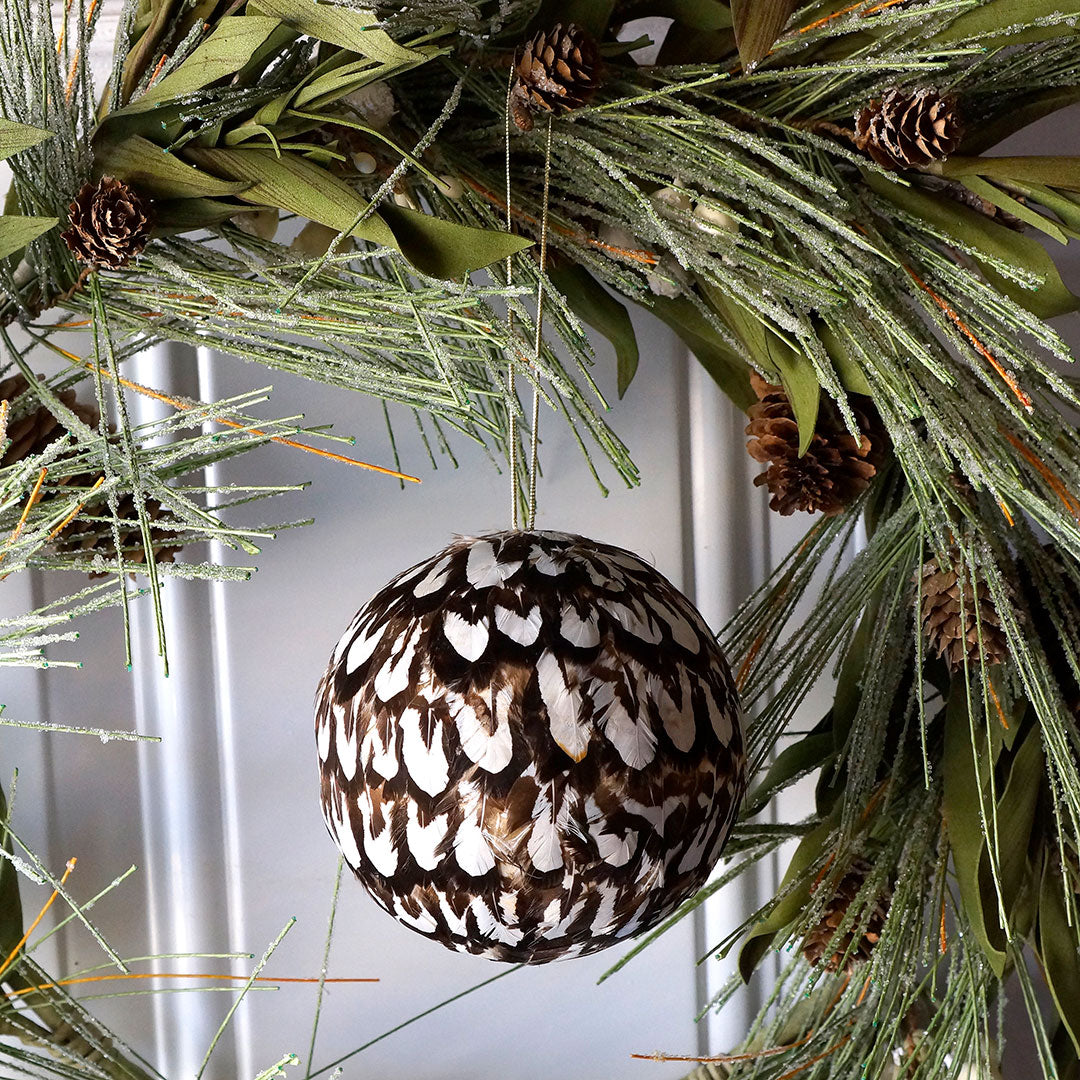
[[530, 746]]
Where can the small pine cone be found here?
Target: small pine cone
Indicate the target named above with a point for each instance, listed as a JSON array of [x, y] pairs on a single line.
[[835, 469], [863, 932], [556, 72], [109, 222], [905, 130], [33, 431], [942, 592]]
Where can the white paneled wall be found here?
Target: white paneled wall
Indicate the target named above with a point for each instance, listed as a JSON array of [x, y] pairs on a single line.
[[222, 815]]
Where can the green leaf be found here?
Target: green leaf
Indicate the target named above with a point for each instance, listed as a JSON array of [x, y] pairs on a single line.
[[980, 235], [11, 917], [16, 137], [758, 24], [810, 851], [848, 370], [1055, 172], [446, 249], [1010, 22], [801, 385], [591, 15], [224, 53], [349, 28], [1016, 819], [1003, 201], [697, 14], [772, 354], [331, 85], [809, 753], [1019, 115], [148, 167], [964, 792], [590, 301], [727, 368], [16, 232], [184, 215], [436, 247], [1057, 947]]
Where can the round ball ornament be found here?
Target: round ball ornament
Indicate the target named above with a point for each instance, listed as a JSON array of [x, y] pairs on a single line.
[[530, 746]]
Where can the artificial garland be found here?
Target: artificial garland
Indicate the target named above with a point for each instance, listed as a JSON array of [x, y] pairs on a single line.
[[806, 196]]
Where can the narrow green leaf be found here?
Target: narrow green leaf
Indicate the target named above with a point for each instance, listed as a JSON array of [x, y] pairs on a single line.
[[446, 249], [590, 15], [16, 232], [16, 137], [1053, 171], [11, 917], [801, 385], [349, 28], [1011, 22], [146, 166], [1016, 818], [436, 247], [772, 354], [964, 792], [848, 370], [1057, 946], [811, 849], [591, 302], [758, 24], [183, 215], [1003, 201], [727, 368], [697, 14], [809, 753], [335, 84], [1019, 115], [293, 183], [981, 235], [224, 53]]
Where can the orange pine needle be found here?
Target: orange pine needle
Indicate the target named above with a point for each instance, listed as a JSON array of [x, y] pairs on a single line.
[[1005, 511], [863, 992], [1059, 489], [726, 1058], [997, 705], [635, 254], [157, 70], [41, 915], [976, 344], [814, 1060], [74, 513], [79, 980], [146, 391], [817, 23], [944, 944], [17, 531]]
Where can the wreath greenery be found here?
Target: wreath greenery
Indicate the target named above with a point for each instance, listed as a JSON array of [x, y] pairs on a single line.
[[420, 205]]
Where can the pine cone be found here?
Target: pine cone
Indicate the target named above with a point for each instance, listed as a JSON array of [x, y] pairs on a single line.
[[33, 431], [852, 946], [835, 469], [907, 129], [110, 224], [556, 71], [942, 590]]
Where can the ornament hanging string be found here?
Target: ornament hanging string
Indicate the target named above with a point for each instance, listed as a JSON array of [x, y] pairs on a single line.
[[534, 444], [511, 389], [534, 439]]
